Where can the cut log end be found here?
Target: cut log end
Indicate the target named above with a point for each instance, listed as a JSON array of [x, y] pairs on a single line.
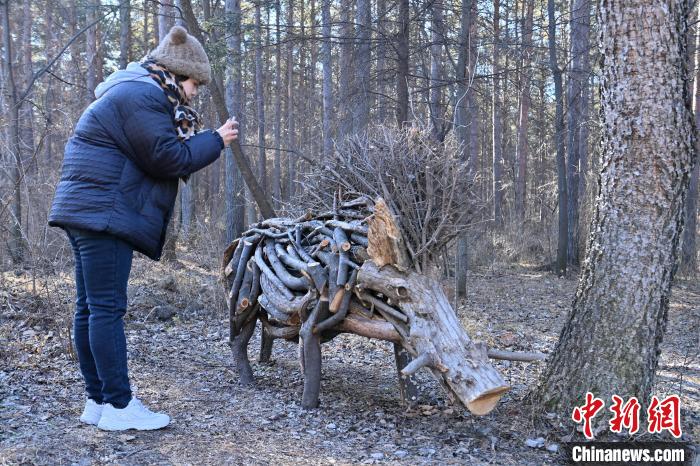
[[485, 403]]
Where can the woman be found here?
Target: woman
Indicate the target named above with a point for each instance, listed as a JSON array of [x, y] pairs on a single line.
[[116, 195]]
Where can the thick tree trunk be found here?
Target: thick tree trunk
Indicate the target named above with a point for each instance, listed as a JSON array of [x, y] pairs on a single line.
[[577, 99], [560, 265], [648, 151]]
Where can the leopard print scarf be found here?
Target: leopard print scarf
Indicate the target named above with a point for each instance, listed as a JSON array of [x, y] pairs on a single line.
[[187, 120]]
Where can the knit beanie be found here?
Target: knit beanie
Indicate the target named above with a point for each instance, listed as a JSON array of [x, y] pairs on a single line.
[[182, 54]]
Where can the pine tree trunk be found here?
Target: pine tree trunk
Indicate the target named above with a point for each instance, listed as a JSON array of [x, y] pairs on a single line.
[[689, 252], [277, 170], [235, 188], [363, 20], [124, 33], [26, 114], [496, 129], [327, 60], [291, 121], [560, 265], [466, 121], [345, 86], [16, 244], [381, 55], [523, 147], [576, 100], [647, 155], [437, 42], [402, 65], [94, 61], [260, 101], [166, 18]]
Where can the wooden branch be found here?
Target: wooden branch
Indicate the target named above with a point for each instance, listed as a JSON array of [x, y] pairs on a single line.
[[384, 307], [341, 307], [353, 226], [246, 252], [286, 333], [359, 239], [425, 359], [287, 306], [370, 328], [516, 355], [270, 275]]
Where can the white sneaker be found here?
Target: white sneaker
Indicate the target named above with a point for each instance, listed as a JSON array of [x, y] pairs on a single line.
[[134, 416], [91, 412]]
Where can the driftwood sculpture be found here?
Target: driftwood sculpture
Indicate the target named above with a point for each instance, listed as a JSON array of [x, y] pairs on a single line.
[[347, 270]]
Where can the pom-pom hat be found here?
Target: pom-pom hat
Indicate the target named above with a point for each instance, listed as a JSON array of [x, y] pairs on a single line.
[[181, 53]]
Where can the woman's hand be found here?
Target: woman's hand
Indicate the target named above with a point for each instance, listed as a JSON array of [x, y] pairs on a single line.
[[229, 131]]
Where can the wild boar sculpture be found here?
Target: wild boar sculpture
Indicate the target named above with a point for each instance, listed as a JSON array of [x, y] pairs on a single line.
[[347, 270]]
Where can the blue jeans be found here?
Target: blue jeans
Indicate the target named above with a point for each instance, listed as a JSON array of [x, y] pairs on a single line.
[[102, 267]]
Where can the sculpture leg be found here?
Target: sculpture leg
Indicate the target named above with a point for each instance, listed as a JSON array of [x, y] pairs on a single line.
[[239, 347], [312, 356], [266, 341], [407, 385]]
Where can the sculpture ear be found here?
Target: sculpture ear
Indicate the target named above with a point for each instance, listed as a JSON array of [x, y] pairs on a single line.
[[385, 242]]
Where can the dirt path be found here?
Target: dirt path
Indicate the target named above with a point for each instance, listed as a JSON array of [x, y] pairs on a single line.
[[182, 366]]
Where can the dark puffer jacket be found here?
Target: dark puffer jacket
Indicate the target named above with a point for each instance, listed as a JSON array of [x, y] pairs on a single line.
[[121, 167]]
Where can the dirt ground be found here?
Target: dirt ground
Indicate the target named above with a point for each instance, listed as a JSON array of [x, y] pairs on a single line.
[[180, 363]]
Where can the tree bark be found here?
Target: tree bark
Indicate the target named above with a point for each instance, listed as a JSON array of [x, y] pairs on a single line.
[[648, 138], [560, 265]]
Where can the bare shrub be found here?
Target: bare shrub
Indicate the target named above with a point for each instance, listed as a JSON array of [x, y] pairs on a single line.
[[425, 183]]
